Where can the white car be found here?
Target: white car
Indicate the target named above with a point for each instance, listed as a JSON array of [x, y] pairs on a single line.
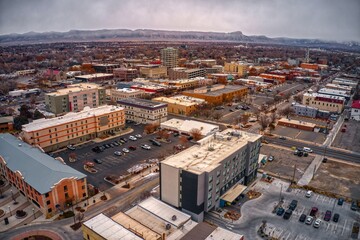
[[71, 147], [308, 194], [309, 220], [145, 146], [138, 136], [132, 138], [306, 149], [125, 150], [118, 153], [317, 223]]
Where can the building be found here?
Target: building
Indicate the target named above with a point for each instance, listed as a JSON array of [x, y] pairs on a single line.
[[207, 231], [169, 57], [186, 126], [197, 179], [337, 93], [74, 98], [324, 102], [297, 124], [144, 111], [310, 66], [218, 93], [205, 62], [355, 110], [96, 77], [117, 94], [238, 68], [273, 78], [180, 104], [346, 82], [153, 71], [348, 89], [73, 128], [24, 93], [6, 124], [105, 67], [305, 110], [48, 183], [180, 84], [185, 73], [125, 74]]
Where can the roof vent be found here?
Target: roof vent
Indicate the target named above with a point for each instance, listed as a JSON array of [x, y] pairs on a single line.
[[167, 226], [174, 218]]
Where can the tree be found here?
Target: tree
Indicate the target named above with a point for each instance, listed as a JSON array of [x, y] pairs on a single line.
[[256, 113], [206, 113], [271, 127], [263, 121], [183, 140], [38, 115], [286, 111], [216, 116], [163, 134], [272, 117], [244, 118], [24, 111], [196, 134], [298, 98], [149, 128], [19, 121]]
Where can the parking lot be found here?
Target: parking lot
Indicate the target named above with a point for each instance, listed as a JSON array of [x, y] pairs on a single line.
[[255, 211], [314, 137], [284, 162], [350, 139], [117, 165]]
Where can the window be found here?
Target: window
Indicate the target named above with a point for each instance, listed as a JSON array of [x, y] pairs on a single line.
[[84, 194], [49, 210], [66, 195], [65, 188], [47, 195], [48, 202]]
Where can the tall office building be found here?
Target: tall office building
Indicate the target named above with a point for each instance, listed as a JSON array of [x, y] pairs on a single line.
[[169, 57]]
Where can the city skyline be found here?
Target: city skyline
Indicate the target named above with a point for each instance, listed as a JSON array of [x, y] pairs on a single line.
[[326, 20]]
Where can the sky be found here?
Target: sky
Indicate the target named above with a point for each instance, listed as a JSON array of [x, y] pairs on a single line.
[[337, 20]]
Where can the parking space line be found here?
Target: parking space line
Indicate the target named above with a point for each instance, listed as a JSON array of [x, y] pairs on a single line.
[[342, 232], [317, 196]]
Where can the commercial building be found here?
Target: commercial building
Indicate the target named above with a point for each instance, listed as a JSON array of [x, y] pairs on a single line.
[[186, 126], [273, 78], [180, 104], [96, 77], [125, 74], [218, 93], [185, 73], [153, 71], [348, 89], [324, 102], [6, 124], [238, 68], [169, 57], [180, 84], [337, 93], [48, 183], [346, 82], [144, 111], [105, 67], [297, 124], [310, 66], [24, 93], [205, 62], [73, 128], [355, 110], [197, 179], [74, 98], [117, 94], [305, 110]]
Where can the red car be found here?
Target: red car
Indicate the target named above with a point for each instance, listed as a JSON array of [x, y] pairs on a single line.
[[327, 216], [313, 212], [132, 148]]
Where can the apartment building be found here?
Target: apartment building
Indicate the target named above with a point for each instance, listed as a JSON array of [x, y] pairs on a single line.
[[238, 68], [48, 183], [74, 98], [180, 104], [305, 110], [73, 128], [169, 57], [273, 78], [355, 110], [185, 73], [153, 71], [324, 102], [125, 74], [143, 111], [218, 93], [198, 179], [120, 93]]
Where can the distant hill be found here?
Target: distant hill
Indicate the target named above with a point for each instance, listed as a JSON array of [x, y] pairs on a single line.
[[161, 35]]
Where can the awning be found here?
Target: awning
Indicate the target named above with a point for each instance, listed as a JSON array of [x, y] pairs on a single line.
[[233, 192]]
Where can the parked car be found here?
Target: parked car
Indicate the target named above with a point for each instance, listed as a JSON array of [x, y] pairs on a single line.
[[118, 153], [270, 158], [327, 216], [132, 138], [340, 201], [96, 149], [280, 211], [231, 110], [336, 217], [71, 147], [154, 142], [306, 149], [145, 146], [98, 161], [138, 136], [313, 211], [293, 205], [106, 145], [287, 214], [112, 145], [115, 143], [354, 206], [300, 154], [309, 220], [176, 134], [123, 139], [302, 218], [132, 148], [125, 150], [282, 138], [308, 194], [317, 223]]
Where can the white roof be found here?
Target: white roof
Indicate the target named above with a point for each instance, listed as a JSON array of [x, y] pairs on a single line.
[[109, 229], [324, 96], [76, 88], [334, 92], [221, 233], [187, 125], [128, 90], [164, 211], [69, 117], [95, 75]]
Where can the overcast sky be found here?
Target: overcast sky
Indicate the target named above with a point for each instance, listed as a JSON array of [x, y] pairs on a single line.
[[322, 19]]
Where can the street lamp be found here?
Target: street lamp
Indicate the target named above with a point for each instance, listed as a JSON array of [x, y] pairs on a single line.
[[10, 211]]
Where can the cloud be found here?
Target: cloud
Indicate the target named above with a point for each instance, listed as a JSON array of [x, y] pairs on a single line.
[[324, 19]]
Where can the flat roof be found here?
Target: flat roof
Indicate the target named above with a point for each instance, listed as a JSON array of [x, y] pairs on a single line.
[[233, 192], [181, 100], [6, 119], [226, 89], [130, 223], [188, 125], [334, 91], [109, 229], [137, 102], [324, 96], [297, 122], [75, 88], [210, 151], [221, 233], [201, 232], [95, 75], [128, 90], [69, 117], [38, 169]]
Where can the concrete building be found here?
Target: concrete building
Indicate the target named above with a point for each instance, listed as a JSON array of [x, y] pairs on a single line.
[[73, 128], [346, 82], [186, 126], [273, 78], [180, 84], [117, 94], [205, 62], [348, 89], [105, 67], [96, 77], [238, 68], [153, 71], [144, 111], [169, 57], [324, 102], [297, 124], [74, 98], [180, 104], [185, 73], [125, 74], [197, 179], [337, 93], [304, 110], [218, 93], [355, 110], [6, 124], [48, 183]]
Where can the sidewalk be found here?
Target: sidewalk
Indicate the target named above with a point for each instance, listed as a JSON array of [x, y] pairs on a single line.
[[310, 171]]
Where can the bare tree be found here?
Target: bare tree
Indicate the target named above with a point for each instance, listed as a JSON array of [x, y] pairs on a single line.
[[244, 118], [206, 113], [196, 134], [216, 116], [264, 122], [183, 140], [298, 98], [272, 117], [271, 127], [286, 111]]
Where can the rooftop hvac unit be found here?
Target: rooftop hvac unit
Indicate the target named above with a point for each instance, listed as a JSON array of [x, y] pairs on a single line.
[[174, 218], [167, 226]]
